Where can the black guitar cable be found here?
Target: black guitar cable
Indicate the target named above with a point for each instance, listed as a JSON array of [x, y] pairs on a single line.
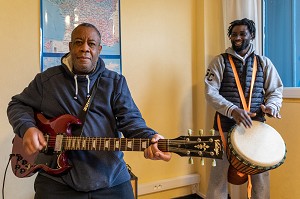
[[10, 156]]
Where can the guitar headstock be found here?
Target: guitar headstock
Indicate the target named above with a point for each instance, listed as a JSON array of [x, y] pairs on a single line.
[[197, 146]]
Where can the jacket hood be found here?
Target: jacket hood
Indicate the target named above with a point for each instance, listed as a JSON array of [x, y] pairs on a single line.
[[235, 54], [66, 62]]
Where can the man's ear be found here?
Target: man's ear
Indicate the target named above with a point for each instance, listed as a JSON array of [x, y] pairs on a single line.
[[70, 46], [99, 49]]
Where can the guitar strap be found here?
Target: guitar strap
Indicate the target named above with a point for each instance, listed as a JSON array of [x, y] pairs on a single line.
[[244, 103], [86, 105]]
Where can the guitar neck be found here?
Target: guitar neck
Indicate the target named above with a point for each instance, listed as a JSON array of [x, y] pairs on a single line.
[[205, 146], [105, 144]]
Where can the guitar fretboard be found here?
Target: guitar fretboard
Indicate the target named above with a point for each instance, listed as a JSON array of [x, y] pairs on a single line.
[[105, 144], [62, 143], [205, 146]]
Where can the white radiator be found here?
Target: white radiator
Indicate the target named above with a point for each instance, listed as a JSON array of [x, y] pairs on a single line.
[[170, 183]]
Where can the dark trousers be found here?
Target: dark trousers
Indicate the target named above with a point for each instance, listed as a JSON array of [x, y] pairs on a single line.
[[46, 188]]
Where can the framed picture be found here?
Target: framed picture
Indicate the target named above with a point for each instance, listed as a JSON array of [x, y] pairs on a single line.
[[60, 17]]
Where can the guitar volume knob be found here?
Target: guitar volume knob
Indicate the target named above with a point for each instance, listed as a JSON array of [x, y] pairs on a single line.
[[22, 171], [24, 162], [19, 157]]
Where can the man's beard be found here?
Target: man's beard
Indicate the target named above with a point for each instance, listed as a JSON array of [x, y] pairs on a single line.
[[244, 45]]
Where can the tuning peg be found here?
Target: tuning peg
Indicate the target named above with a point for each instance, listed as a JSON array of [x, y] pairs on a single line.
[[190, 132], [214, 163], [212, 131], [202, 161], [191, 161], [201, 132]]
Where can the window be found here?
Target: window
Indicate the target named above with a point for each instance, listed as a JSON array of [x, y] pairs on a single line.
[[281, 43]]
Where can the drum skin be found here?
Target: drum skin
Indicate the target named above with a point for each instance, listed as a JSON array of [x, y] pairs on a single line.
[[253, 150]]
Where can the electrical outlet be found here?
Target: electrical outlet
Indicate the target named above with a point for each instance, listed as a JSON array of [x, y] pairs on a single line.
[[195, 188], [158, 187]]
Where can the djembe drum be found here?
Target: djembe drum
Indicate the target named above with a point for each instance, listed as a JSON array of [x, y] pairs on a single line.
[[253, 150]]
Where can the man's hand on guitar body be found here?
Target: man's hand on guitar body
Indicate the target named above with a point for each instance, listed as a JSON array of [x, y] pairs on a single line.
[[153, 153], [33, 140]]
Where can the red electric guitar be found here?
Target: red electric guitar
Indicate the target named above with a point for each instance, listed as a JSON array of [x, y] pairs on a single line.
[[53, 158]]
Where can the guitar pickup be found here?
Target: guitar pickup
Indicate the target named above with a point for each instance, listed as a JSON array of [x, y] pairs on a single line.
[[58, 143]]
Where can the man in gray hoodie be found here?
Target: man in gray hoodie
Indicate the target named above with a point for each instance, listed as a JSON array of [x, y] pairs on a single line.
[[222, 93]]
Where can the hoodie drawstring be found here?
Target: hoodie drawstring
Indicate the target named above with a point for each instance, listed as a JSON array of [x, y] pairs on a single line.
[[76, 86], [88, 86]]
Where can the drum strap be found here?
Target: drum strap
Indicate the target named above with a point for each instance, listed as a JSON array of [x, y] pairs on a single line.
[[245, 106], [221, 132], [238, 83]]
